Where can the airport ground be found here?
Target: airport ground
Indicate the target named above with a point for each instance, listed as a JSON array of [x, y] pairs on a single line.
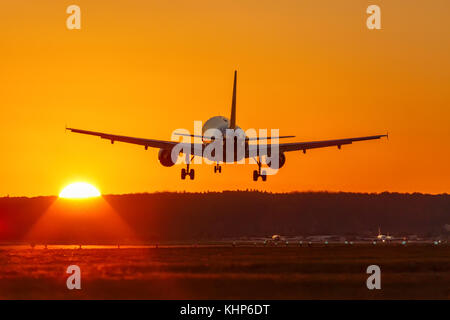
[[333, 271]]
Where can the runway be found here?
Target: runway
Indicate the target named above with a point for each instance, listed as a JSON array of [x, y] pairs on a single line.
[[333, 271]]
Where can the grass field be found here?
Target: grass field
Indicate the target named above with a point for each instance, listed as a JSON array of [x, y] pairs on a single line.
[[223, 272]]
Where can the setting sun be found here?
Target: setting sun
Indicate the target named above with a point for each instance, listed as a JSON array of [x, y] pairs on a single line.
[[79, 190]]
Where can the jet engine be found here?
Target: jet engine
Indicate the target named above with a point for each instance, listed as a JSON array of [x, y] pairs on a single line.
[[165, 157], [281, 161]]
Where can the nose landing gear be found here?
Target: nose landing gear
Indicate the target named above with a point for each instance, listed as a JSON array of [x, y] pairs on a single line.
[[217, 168]]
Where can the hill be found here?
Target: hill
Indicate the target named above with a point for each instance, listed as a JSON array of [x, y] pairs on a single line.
[[218, 215]]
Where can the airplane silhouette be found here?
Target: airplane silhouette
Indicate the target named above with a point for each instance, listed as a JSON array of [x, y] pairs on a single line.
[[224, 126]]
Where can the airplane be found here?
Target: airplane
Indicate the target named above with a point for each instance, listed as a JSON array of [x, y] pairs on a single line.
[[383, 237], [223, 125], [276, 238]]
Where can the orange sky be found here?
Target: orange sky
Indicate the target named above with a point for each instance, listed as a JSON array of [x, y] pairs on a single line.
[[145, 68]]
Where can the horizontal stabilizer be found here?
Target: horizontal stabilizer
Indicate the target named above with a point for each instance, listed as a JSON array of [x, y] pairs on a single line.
[[191, 135], [249, 139]]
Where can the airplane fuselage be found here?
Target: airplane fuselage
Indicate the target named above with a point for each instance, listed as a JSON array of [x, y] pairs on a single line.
[[222, 124]]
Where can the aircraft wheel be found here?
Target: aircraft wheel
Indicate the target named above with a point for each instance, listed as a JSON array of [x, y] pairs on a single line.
[[192, 174], [220, 169], [183, 174], [263, 175], [215, 169], [255, 175]]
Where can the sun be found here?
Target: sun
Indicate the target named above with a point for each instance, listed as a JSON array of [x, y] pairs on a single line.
[[79, 190]]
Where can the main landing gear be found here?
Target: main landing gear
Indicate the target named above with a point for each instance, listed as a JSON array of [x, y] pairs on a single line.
[[187, 172], [258, 173], [217, 168]]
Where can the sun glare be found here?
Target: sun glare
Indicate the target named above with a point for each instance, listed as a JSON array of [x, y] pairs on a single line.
[[79, 190]]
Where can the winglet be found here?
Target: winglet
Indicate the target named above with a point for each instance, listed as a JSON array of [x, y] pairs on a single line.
[[233, 103]]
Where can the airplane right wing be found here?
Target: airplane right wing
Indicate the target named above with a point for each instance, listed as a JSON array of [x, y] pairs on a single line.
[[295, 146]]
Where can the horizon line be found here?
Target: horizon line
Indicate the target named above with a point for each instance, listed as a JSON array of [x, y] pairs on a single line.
[[242, 191]]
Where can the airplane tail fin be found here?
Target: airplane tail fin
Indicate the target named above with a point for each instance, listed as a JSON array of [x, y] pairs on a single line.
[[233, 104]]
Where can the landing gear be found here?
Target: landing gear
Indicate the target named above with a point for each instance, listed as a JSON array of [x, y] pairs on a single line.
[[217, 168], [255, 175], [259, 173], [264, 176], [187, 172]]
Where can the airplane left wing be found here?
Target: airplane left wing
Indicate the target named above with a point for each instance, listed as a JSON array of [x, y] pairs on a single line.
[[152, 143]]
